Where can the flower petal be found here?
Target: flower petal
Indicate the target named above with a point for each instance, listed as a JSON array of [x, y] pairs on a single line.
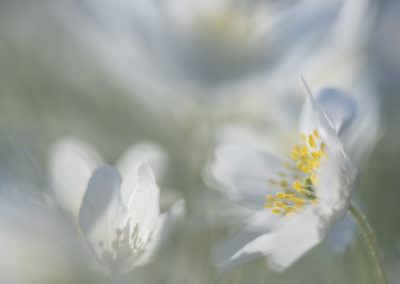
[[342, 234], [103, 218], [244, 173], [339, 108], [337, 174], [161, 232], [285, 242], [131, 160], [360, 138], [260, 223], [71, 163], [143, 204]]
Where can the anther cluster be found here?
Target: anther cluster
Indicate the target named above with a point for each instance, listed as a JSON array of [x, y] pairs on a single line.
[[299, 182]]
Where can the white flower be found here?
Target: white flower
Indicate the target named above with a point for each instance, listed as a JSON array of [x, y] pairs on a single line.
[[304, 197], [124, 229], [71, 162], [119, 217], [179, 48]]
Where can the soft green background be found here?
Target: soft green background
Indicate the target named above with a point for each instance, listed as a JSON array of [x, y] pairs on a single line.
[[51, 87]]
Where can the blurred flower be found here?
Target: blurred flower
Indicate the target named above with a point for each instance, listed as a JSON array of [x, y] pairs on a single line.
[[120, 220], [71, 162], [36, 242], [203, 49], [315, 189], [121, 223]]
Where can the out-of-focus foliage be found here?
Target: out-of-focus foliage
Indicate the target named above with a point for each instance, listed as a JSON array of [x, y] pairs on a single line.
[[186, 75]]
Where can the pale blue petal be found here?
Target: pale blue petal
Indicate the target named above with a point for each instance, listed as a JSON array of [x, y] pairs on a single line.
[[339, 108], [103, 217], [342, 234]]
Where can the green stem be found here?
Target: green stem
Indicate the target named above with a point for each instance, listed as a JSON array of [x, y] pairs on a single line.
[[372, 244]]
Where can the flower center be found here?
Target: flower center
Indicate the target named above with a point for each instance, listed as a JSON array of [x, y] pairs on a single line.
[[300, 181], [127, 245]]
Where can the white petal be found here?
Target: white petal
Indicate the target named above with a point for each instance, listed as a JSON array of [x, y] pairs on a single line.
[[143, 204], [162, 231], [103, 217], [337, 174], [287, 240], [295, 238], [260, 223], [341, 235], [244, 173], [71, 163], [338, 107], [130, 161], [335, 183]]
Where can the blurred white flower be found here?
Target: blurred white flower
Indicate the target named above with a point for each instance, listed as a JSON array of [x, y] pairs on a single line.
[[308, 195], [121, 222], [71, 162], [175, 49], [36, 242]]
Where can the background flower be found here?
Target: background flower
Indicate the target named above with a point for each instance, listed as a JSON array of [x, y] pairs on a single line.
[[72, 162], [59, 78], [121, 220]]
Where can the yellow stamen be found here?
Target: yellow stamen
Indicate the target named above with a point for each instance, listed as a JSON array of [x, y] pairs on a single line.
[[276, 210], [302, 191], [267, 205], [294, 155], [311, 141], [316, 154], [313, 178], [297, 185], [304, 150], [270, 197], [298, 165], [313, 163], [323, 147], [298, 206], [303, 177], [280, 195], [305, 169]]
